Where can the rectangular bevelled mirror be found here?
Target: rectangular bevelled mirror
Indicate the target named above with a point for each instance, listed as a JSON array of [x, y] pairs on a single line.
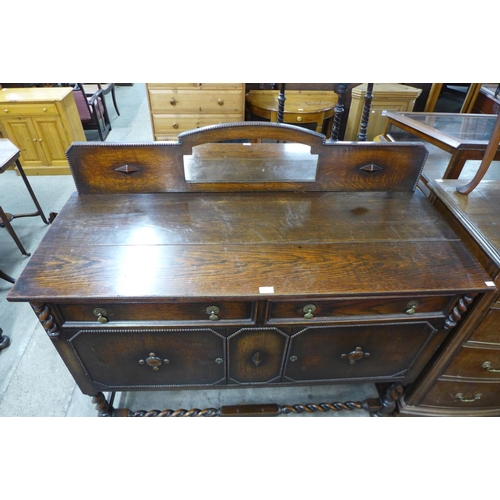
[[250, 162]]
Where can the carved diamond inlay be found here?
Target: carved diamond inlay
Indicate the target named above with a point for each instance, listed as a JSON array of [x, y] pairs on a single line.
[[371, 168], [127, 169]]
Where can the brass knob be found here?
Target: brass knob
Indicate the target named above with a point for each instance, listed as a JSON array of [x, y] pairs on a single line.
[[44, 110], [40, 140], [212, 312], [461, 398], [173, 102], [175, 126], [101, 314], [309, 309], [219, 360], [34, 140], [411, 306], [299, 118], [220, 102], [5, 110]]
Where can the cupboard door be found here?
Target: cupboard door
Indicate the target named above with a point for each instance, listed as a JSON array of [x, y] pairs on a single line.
[[256, 355], [371, 351], [53, 139], [151, 358], [23, 134]]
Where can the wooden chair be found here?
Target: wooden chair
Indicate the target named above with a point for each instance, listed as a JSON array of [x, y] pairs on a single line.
[[92, 110], [92, 88]]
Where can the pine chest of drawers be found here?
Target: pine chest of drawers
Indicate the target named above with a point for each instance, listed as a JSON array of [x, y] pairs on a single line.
[[178, 107], [147, 281]]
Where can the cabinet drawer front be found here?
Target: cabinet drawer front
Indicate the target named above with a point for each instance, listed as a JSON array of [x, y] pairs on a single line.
[[475, 362], [349, 352], [488, 330], [199, 86], [463, 395], [158, 358], [172, 125], [28, 109], [196, 311], [256, 355], [327, 309], [192, 101]]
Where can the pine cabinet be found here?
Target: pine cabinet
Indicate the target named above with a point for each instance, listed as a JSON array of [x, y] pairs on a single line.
[[42, 123]]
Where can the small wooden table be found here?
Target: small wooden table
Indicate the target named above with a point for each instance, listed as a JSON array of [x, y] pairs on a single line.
[[465, 136], [312, 106]]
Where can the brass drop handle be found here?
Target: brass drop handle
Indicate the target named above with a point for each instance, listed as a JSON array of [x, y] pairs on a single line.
[[220, 102], [175, 126], [309, 309], [461, 398], [411, 306], [153, 361], [212, 312], [355, 355], [487, 366], [101, 314], [173, 102]]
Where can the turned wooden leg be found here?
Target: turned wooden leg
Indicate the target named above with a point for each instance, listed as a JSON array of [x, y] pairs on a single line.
[[102, 405]]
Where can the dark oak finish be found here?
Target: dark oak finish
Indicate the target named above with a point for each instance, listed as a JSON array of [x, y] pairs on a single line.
[[147, 281], [464, 380]]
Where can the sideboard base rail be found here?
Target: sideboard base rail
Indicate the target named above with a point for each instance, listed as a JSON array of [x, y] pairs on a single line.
[[377, 407]]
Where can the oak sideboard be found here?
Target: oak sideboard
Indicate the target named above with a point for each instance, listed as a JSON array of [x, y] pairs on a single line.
[[220, 262]]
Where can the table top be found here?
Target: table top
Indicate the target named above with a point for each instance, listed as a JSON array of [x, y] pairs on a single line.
[[458, 130], [297, 101], [149, 247], [8, 154]]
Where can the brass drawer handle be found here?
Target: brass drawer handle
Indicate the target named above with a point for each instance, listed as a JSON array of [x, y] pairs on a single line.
[[220, 102], [411, 306], [212, 312], [487, 366], [173, 102], [355, 355], [101, 314], [153, 361], [299, 118], [461, 398], [219, 361], [309, 309]]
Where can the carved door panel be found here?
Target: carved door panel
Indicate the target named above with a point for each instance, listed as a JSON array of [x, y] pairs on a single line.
[[373, 351], [256, 355], [141, 358]]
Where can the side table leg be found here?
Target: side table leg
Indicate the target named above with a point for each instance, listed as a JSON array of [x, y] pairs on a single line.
[[455, 167], [6, 277], [4, 340], [32, 194], [6, 222]]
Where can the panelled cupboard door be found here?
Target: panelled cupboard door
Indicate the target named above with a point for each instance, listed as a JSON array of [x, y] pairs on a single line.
[[52, 138], [21, 131], [142, 358], [357, 351]]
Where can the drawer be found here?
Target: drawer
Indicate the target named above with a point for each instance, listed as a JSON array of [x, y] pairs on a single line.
[[376, 351], [488, 330], [463, 395], [192, 101], [175, 312], [475, 362], [140, 358], [327, 309], [27, 109], [192, 86], [172, 125]]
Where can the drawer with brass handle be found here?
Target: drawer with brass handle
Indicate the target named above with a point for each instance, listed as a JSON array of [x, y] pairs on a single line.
[[193, 101], [475, 361], [206, 312], [464, 395], [487, 330], [327, 309]]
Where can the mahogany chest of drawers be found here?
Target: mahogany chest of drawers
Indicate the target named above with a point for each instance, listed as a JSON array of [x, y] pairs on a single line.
[[465, 379], [148, 281]]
